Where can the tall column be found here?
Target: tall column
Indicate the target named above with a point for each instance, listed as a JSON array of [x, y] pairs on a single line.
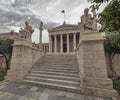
[[55, 43], [74, 41], [50, 44], [61, 43], [40, 37], [68, 43]]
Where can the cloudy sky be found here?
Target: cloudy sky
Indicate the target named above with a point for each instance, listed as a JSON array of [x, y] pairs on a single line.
[[13, 13]]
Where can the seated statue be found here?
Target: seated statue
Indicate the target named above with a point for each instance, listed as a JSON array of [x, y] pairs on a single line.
[[26, 33], [21, 31], [94, 24], [89, 22]]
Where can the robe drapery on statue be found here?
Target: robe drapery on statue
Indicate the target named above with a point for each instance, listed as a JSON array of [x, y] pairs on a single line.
[[26, 33], [89, 22]]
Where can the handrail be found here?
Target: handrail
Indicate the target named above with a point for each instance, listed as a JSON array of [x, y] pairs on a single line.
[[79, 43]]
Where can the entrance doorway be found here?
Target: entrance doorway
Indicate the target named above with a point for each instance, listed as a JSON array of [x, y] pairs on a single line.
[[64, 47]]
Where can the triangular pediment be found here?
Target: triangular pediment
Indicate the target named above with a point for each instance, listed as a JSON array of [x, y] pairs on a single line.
[[65, 27]]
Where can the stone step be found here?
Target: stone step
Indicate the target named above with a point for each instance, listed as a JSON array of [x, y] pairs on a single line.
[[54, 77], [59, 60], [57, 65], [60, 63], [53, 64], [56, 81], [53, 86], [55, 70], [55, 73], [66, 56], [59, 68]]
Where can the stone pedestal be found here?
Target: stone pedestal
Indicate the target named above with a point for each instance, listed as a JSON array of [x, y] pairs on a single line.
[[93, 70], [23, 57]]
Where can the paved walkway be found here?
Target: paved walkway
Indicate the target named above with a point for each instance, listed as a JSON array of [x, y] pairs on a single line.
[[12, 91]]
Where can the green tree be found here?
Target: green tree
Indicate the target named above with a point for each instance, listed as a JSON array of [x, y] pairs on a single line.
[[112, 47], [6, 50], [110, 21]]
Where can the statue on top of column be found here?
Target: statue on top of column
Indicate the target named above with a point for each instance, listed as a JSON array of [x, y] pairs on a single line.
[[26, 33], [41, 26], [89, 22]]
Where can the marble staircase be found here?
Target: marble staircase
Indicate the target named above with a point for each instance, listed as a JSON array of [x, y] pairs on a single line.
[[55, 71]]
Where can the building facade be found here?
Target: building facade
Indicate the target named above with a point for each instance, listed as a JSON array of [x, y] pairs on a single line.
[[64, 38], [9, 35], [14, 35]]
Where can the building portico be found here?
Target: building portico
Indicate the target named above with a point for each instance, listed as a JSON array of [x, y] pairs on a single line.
[[64, 38]]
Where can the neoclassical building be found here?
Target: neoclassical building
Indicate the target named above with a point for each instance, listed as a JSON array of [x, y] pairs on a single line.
[[8, 35], [64, 38]]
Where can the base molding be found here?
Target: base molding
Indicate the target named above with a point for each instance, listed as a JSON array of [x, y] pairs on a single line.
[[99, 92]]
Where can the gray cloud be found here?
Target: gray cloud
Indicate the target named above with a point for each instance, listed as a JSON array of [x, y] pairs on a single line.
[[23, 10], [16, 12]]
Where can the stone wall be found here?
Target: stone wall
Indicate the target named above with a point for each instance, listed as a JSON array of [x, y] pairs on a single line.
[[23, 57], [116, 64], [2, 62], [92, 66]]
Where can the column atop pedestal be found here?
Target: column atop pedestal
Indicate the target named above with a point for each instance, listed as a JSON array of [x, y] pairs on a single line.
[[40, 37]]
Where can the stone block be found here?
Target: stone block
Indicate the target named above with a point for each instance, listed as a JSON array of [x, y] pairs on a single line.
[[92, 36], [23, 57], [95, 72], [99, 92], [101, 72], [94, 54], [89, 71], [103, 83], [96, 63], [93, 45]]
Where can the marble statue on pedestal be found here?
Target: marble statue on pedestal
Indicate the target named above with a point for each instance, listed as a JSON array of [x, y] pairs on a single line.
[[26, 33], [88, 22]]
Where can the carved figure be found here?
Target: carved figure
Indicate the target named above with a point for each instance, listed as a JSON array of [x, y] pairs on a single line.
[[26, 33], [41, 26], [94, 24], [86, 20], [89, 22]]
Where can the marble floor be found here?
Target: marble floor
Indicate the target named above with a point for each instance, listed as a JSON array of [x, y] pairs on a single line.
[[14, 91]]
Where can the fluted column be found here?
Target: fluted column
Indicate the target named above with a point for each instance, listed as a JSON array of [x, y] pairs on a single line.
[[61, 43], [50, 43], [55, 43], [74, 41], [68, 43]]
